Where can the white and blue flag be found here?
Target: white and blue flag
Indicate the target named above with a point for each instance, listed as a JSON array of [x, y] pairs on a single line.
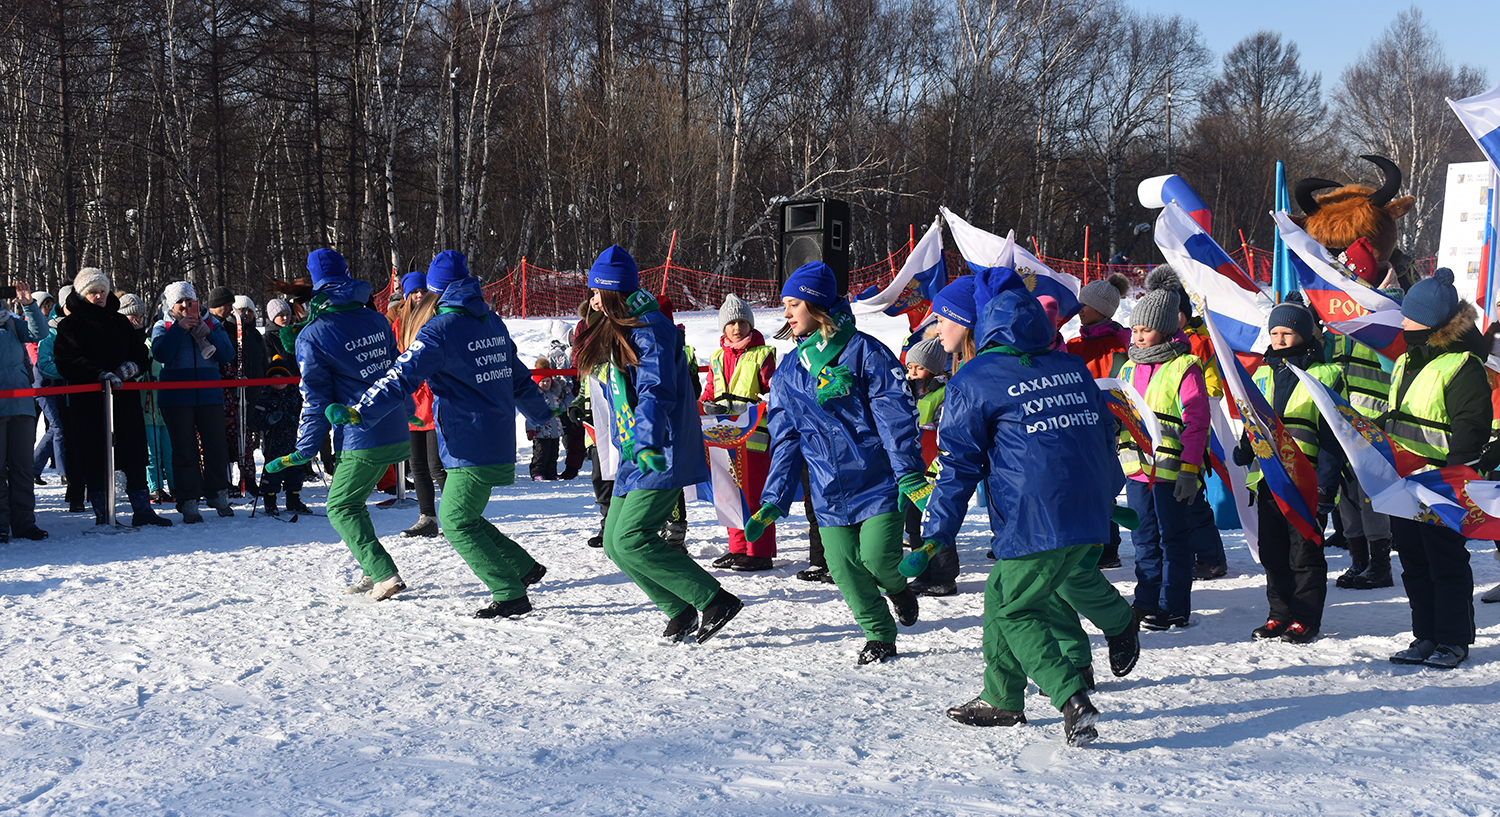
[[1481, 115]]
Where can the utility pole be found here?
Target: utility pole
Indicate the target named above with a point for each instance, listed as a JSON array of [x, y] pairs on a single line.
[[453, 99]]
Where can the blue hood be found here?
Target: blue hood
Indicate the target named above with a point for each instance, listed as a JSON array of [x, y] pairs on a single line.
[[1013, 318], [467, 293], [344, 291]]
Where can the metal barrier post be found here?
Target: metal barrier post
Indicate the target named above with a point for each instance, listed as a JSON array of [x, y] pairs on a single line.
[[109, 454], [400, 501]]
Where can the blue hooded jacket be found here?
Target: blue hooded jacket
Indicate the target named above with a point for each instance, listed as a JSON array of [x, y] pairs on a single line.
[[855, 446], [175, 350], [477, 379], [1038, 434], [666, 410], [340, 354]]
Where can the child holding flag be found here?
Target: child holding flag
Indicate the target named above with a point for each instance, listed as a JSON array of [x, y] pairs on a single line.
[[740, 373], [840, 404], [1296, 571], [1440, 409], [1167, 492]]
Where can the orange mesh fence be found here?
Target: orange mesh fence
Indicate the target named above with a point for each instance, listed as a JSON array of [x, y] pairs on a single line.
[[529, 291]]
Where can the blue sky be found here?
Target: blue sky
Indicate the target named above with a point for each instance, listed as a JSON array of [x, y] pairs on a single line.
[[1332, 35]]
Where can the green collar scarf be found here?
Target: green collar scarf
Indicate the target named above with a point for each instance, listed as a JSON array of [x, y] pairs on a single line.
[[316, 308], [640, 302], [1014, 352], [816, 354]]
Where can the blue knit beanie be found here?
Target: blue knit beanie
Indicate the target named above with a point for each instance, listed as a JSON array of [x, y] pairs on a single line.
[[615, 269], [1294, 316], [326, 265], [955, 301], [413, 281], [1433, 301], [814, 283], [447, 267]]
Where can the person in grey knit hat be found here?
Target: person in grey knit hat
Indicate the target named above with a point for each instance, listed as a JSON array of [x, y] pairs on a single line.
[[733, 310], [929, 355], [1163, 371], [1104, 295], [132, 307], [1158, 308]]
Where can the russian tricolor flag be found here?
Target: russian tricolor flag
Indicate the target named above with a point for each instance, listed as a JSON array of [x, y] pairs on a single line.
[[983, 250], [1286, 471], [1348, 305], [1481, 115], [1130, 408], [911, 291], [1200, 264]]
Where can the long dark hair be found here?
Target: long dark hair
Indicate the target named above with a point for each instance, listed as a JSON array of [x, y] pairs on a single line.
[[608, 336]]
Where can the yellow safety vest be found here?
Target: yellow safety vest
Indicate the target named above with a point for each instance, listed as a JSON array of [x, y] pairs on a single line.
[[1164, 398], [1300, 416], [1369, 386], [1419, 420]]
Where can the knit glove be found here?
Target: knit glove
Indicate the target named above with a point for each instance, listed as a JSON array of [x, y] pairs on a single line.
[[916, 561], [128, 370], [1186, 489], [915, 490], [342, 415], [292, 460], [1244, 455], [651, 461], [710, 407], [1489, 458], [756, 524], [111, 378], [199, 330]]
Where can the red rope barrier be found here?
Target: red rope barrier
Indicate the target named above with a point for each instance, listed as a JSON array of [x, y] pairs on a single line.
[[151, 386]]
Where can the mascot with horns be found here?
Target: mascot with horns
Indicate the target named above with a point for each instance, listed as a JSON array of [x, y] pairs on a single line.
[[1358, 224]]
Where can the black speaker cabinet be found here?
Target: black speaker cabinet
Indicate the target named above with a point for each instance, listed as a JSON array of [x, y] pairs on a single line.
[[814, 230]]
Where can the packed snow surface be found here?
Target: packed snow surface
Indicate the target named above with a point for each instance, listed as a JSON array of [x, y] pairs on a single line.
[[220, 669]]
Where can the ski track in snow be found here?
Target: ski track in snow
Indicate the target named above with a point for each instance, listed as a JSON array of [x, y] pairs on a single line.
[[219, 669]]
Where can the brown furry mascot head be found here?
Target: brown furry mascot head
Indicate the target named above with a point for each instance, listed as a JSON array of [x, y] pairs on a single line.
[[1340, 218]]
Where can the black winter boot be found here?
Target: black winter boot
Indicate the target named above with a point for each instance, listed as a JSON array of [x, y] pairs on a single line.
[[294, 502], [1359, 556], [270, 504], [144, 514], [676, 535], [1378, 574]]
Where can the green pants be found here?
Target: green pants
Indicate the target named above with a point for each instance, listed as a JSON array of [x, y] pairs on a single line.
[[1020, 614], [353, 480], [1087, 592], [862, 560], [670, 578], [495, 559]]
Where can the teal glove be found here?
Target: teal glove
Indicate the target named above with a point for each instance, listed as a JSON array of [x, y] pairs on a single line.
[[292, 460], [1125, 517], [651, 461], [559, 411], [756, 524], [342, 415], [414, 420], [915, 490], [916, 561]]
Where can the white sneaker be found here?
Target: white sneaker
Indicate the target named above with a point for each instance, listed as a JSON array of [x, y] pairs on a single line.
[[387, 587], [362, 586], [1491, 595]]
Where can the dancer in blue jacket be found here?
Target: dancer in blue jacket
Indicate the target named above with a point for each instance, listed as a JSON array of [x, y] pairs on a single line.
[[1031, 425], [344, 346], [465, 354], [841, 406], [638, 354]]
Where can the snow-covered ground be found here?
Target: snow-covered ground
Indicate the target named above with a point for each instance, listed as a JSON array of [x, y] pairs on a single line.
[[219, 669]]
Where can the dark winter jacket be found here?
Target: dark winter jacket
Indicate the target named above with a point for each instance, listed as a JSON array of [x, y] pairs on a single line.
[[1283, 384], [466, 356], [661, 390], [276, 415], [855, 447], [1467, 397], [341, 354], [252, 364], [15, 365], [180, 360], [93, 340], [1035, 430]]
